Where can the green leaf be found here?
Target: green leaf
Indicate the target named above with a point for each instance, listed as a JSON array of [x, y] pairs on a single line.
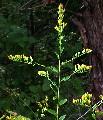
[[94, 116], [62, 102], [65, 78], [55, 97], [77, 83], [62, 117], [35, 89], [26, 102], [21, 44], [31, 40], [46, 86], [64, 63], [99, 113], [52, 69], [2, 117], [52, 112]]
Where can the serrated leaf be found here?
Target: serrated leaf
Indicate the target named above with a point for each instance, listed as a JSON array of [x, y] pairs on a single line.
[[62, 117], [62, 101], [52, 112]]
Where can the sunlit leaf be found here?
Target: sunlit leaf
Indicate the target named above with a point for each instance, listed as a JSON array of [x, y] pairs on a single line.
[[52, 69], [62, 101], [65, 78], [52, 112], [62, 117]]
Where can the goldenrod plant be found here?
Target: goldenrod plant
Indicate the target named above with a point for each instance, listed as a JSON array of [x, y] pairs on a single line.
[[86, 100], [56, 85]]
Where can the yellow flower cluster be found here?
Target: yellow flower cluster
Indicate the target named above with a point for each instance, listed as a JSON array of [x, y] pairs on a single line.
[[82, 68], [85, 100], [43, 106], [43, 73], [60, 19], [10, 118], [87, 50], [21, 58]]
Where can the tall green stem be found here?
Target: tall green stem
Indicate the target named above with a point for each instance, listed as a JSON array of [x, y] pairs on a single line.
[[59, 28], [58, 95]]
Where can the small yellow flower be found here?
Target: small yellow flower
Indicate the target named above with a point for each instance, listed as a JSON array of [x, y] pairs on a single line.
[[101, 96], [42, 115], [44, 108], [89, 101], [60, 22], [60, 6], [46, 104], [88, 50], [74, 101], [97, 111]]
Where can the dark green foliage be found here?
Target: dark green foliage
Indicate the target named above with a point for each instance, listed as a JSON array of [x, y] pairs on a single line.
[[31, 32]]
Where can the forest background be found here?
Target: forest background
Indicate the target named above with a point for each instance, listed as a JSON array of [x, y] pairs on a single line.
[[27, 27]]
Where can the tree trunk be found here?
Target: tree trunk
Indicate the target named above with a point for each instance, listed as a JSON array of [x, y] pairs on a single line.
[[93, 38], [91, 29]]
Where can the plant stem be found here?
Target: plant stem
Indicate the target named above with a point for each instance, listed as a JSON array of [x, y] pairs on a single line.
[[58, 90]]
